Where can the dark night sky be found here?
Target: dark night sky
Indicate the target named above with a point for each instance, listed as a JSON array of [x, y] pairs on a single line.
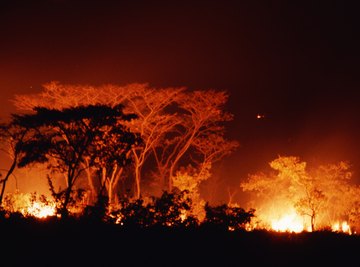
[[298, 63]]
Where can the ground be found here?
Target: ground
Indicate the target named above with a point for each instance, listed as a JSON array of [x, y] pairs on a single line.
[[57, 243]]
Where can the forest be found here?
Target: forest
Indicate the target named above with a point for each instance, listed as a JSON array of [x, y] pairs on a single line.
[[134, 157]]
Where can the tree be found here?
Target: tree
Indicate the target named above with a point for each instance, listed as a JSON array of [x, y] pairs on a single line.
[[311, 205], [151, 105], [12, 137], [154, 122], [177, 127], [65, 138], [188, 180], [201, 114]]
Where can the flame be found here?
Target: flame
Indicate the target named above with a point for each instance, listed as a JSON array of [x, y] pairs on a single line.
[[29, 205], [288, 223], [41, 210], [343, 227]]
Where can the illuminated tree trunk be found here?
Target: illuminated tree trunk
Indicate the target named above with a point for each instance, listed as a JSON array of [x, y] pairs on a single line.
[[115, 177], [89, 176], [70, 182], [313, 217], [178, 156], [137, 178]]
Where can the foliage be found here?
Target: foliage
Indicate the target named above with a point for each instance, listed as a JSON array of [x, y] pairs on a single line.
[[66, 138], [188, 180], [164, 211], [178, 127], [233, 218]]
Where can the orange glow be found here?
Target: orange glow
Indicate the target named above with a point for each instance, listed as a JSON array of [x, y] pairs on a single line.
[[299, 198], [29, 205], [41, 210], [344, 227], [288, 223]]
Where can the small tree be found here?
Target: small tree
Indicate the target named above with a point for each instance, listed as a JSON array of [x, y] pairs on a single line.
[[12, 137], [311, 205], [65, 138]]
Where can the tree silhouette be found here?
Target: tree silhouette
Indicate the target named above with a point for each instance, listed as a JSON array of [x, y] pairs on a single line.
[[164, 211], [65, 138], [230, 218], [12, 138], [178, 127]]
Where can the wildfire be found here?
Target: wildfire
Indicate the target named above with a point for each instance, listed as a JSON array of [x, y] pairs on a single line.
[[291, 222], [288, 223], [41, 210], [29, 205], [343, 227]]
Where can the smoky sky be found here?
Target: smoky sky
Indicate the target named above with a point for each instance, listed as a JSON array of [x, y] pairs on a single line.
[[296, 62]]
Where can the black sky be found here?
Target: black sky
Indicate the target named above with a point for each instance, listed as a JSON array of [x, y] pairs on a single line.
[[297, 62]]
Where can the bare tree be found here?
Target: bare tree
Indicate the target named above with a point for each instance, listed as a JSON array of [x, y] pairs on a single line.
[[154, 122], [12, 137], [201, 114]]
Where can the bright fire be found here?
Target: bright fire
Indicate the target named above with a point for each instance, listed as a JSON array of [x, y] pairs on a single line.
[[343, 227], [40, 210], [29, 205], [288, 223]]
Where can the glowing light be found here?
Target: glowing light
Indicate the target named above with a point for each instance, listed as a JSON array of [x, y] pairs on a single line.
[[30, 205], [260, 116], [288, 223], [344, 227], [41, 210]]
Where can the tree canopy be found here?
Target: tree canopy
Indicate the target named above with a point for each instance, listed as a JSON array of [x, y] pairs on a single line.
[[66, 138]]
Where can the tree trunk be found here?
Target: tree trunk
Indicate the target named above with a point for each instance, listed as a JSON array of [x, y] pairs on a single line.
[[313, 222], [137, 175], [93, 197], [137, 183], [4, 181]]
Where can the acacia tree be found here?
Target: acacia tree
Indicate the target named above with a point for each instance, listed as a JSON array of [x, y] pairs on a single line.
[[151, 105], [173, 123], [153, 123], [70, 136], [201, 114]]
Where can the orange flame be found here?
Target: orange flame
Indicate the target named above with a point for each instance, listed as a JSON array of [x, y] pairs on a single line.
[[288, 223]]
